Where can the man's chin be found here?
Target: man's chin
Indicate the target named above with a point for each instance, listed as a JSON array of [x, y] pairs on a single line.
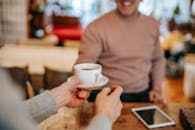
[[125, 14]]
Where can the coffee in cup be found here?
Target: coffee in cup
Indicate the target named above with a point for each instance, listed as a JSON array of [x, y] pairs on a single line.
[[88, 73]]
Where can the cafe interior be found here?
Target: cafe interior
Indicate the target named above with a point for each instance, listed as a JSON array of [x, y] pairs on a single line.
[[40, 40]]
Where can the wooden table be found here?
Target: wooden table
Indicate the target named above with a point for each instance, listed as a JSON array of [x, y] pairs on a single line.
[[36, 57], [78, 119], [128, 121]]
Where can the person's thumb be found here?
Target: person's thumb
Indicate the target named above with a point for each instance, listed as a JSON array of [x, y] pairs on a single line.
[[73, 82], [151, 96], [117, 92], [105, 91]]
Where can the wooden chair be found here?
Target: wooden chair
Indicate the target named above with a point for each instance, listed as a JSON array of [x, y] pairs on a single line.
[[22, 78], [34, 85], [54, 78], [19, 76], [30, 90], [37, 80]]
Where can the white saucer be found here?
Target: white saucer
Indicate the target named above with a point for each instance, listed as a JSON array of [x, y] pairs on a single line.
[[103, 80]]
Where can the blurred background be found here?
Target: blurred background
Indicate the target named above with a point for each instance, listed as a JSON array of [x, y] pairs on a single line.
[[52, 29]]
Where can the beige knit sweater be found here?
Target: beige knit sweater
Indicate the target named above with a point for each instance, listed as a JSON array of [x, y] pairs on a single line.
[[127, 48]]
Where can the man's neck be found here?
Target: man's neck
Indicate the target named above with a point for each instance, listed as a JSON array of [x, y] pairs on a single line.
[[132, 16]]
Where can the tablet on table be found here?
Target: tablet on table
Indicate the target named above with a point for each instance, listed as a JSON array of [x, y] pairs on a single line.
[[152, 116]]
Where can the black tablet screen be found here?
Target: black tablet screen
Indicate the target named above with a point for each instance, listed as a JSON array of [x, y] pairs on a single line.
[[152, 116]]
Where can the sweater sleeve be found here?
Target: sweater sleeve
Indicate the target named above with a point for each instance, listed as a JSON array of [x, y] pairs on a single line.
[[91, 46], [99, 122], [158, 66], [12, 114], [41, 107]]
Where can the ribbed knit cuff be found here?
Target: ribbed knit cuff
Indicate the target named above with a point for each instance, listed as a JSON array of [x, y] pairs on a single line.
[[41, 106]]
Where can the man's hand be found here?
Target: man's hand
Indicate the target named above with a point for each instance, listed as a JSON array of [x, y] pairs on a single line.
[[108, 103], [67, 94], [155, 96]]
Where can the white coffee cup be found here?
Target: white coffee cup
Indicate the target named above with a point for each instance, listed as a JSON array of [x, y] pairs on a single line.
[[88, 73]]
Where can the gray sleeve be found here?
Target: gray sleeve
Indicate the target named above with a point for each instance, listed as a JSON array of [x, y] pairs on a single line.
[[41, 107], [12, 114], [99, 122]]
